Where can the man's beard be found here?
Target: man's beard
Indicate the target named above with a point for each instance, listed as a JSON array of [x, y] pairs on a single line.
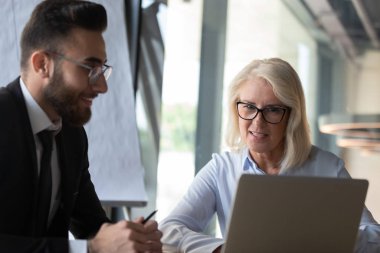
[[65, 100]]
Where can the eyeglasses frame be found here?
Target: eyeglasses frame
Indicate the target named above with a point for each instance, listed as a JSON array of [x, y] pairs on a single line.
[[92, 80], [261, 111]]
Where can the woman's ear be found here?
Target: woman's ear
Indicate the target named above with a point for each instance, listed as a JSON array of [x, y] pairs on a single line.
[[40, 63]]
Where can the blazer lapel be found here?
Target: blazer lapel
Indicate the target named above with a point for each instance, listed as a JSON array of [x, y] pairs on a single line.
[[68, 162]]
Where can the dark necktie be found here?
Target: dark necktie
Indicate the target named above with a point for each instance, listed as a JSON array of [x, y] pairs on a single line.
[[45, 181]]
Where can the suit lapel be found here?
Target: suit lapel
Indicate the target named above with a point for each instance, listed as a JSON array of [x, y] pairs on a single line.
[[68, 162]]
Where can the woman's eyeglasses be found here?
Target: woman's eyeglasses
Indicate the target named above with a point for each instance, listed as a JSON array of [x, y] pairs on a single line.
[[271, 114]]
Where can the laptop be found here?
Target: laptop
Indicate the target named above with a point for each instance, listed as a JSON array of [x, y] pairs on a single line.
[[295, 214]]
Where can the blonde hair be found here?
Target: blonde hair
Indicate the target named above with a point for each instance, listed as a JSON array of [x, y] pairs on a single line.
[[288, 89]]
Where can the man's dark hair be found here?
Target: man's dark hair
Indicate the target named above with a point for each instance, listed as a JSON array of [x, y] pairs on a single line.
[[52, 21]]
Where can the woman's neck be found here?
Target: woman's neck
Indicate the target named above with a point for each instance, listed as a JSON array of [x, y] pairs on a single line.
[[268, 162]]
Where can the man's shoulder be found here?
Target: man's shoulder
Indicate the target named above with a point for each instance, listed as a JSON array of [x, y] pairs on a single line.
[[7, 101], [9, 111], [6, 94]]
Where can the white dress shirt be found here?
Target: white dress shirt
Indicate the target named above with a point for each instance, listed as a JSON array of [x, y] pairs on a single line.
[[213, 189]]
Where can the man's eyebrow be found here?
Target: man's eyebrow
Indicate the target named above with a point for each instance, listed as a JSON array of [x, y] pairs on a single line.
[[95, 60]]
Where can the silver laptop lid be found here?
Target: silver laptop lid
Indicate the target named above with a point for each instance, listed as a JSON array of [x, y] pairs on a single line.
[[295, 214]]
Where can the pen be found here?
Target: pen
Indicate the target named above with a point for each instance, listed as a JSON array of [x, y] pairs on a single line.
[[149, 216]]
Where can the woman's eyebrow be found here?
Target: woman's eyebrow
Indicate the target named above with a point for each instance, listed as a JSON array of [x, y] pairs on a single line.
[[246, 101], [275, 105], [267, 105]]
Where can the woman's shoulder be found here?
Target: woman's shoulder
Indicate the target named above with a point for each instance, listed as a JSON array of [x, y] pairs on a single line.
[[225, 162], [319, 153], [320, 163], [233, 157], [324, 160]]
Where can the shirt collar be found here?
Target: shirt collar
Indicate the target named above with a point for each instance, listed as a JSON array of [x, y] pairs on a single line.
[[249, 166], [38, 119]]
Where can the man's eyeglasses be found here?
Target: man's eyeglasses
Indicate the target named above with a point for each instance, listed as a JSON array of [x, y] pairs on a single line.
[[271, 114], [95, 71]]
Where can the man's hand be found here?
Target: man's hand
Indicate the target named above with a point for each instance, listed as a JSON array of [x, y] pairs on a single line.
[[127, 236]]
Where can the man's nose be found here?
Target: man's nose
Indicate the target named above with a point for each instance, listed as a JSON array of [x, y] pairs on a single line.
[[100, 86]]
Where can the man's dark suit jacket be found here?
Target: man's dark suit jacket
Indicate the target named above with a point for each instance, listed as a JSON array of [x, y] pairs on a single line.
[[80, 209]]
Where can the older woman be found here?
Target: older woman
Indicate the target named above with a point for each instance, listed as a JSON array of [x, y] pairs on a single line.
[[268, 133]]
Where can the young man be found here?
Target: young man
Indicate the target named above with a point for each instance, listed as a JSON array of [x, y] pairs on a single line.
[[42, 195]]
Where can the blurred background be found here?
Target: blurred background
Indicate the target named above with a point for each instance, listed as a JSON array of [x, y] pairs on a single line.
[[333, 45]]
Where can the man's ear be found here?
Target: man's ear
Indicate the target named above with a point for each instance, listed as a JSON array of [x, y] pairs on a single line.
[[41, 62]]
